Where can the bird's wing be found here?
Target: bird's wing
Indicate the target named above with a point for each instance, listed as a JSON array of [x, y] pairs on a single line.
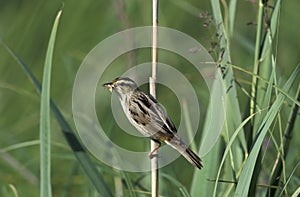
[[162, 116], [150, 116]]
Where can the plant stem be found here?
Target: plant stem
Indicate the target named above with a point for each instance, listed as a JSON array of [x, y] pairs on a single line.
[[154, 160]]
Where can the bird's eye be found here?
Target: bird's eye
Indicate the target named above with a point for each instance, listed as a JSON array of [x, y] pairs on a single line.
[[122, 84]]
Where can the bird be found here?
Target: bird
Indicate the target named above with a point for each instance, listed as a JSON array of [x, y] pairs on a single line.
[[146, 114]]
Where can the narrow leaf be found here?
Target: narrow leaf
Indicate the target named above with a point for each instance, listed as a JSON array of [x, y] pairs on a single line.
[[45, 131]]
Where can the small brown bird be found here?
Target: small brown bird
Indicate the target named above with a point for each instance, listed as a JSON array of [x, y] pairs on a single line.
[[145, 113]]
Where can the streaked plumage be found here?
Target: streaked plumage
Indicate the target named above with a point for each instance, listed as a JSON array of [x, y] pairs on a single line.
[[145, 113]]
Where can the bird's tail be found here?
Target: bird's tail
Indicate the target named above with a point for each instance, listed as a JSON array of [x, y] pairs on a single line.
[[185, 151]]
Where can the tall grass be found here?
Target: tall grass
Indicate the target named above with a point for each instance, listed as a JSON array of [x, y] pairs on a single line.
[[255, 154]]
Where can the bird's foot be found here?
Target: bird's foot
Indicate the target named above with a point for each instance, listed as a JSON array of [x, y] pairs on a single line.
[[153, 152]]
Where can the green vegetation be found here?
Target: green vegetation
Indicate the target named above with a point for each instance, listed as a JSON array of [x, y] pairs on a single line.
[[255, 44]]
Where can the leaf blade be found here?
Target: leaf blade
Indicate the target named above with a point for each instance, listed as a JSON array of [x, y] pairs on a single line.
[[45, 129]]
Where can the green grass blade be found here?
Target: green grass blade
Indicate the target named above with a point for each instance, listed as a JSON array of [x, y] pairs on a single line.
[[233, 117], [19, 167], [289, 178], [201, 186], [245, 178], [270, 35], [79, 151], [256, 58], [128, 182], [263, 97], [20, 145], [268, 94], [187, 119], [180, 187], [188, 7], [233, 112], [45, 130], [231, 16], [264, 59], [228, 147], [296, 193]]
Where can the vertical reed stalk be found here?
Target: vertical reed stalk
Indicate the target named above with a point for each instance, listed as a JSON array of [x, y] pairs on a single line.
[[154, 160]]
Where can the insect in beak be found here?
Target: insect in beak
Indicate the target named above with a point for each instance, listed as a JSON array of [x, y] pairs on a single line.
[[109, 86]]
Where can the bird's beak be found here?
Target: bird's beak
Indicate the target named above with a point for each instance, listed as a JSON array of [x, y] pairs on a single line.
[[109, 86]]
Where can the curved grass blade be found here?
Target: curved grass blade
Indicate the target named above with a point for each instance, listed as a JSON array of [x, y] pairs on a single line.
[[228, 147], [45, 130]]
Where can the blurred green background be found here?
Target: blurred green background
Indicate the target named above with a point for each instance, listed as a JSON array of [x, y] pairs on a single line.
[[25, 26]]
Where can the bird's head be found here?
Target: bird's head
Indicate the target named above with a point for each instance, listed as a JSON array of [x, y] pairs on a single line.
[[121, 85]]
